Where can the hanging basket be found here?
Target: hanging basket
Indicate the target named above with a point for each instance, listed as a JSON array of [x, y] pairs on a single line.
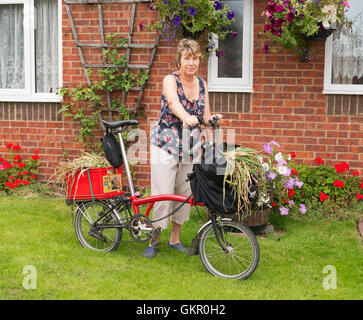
[[321, 35], [191, 35]]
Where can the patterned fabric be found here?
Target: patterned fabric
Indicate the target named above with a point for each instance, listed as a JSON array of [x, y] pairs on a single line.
[[168, 132]]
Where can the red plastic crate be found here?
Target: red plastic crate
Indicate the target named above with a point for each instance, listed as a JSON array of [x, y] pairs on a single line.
[[104, 182]]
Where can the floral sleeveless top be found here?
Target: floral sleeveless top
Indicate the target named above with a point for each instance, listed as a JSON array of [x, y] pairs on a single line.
[[168, 132]]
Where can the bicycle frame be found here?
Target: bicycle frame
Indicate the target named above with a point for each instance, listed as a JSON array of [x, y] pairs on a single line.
[[136, 202]]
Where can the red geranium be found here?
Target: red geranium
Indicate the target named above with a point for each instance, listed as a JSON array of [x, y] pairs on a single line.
[[359, 196], [319, 160], [291, 193], [17, 157], [323, 196], [293, 155], [35, 157], [9, 145], [338, 184], [16, 147], [356, 173], [341, 167]]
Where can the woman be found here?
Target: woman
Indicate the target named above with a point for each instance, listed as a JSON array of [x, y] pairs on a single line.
[[184, 97]]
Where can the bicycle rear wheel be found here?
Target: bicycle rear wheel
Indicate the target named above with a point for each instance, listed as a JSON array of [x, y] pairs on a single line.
[[91, 236], [243, 254]]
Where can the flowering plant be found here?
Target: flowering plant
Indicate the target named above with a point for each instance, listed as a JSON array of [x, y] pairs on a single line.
[[17, 171], [330, 187], [282, 179], [193, 17], [290, 23], [299, 188]]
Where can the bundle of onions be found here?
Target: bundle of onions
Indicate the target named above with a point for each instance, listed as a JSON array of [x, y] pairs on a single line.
[[244, 169]]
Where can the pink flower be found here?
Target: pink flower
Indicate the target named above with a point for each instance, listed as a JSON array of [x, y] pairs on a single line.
[[346, 4], [302, 208], [284, 211]]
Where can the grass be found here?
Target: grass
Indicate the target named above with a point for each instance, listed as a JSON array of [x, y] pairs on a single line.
[[39, 232]]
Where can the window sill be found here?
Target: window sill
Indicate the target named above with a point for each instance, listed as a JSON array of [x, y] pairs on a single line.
[[342, 91], [231, 89], [30, 99]]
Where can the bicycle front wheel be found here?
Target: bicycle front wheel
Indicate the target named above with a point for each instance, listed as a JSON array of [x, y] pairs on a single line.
[[241, 257], [92, 236]]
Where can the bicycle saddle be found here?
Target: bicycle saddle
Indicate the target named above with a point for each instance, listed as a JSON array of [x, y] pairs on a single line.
[[118, 124]]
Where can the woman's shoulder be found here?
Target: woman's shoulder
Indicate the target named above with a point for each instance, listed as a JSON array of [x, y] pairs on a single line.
[[170, 77]]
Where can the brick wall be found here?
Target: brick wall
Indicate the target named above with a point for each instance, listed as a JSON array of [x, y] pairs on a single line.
[[287, 104]]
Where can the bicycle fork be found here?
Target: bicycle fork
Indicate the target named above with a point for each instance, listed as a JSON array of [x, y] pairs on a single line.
[[218, 231]]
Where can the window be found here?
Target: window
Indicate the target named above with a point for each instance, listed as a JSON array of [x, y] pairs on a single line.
[[344, 55], [30, 50], [232, 72]]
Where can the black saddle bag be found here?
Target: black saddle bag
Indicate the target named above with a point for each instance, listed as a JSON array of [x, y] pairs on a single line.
[[112, 150]]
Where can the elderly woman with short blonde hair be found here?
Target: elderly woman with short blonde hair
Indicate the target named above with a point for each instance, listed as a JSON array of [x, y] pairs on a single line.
[[184, 98]]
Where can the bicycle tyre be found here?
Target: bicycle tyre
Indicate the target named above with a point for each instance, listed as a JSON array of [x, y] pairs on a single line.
[[85, 217], [241, 262]]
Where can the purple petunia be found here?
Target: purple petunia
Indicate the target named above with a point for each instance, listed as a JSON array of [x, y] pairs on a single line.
[[271, 176], [299, 183], [290, 183], [268, 148], [182, 2], [177, 20], [219, 53], [192, 11], [302, 208], [284, 211], [217, 5], [234, 34], [230, 15]]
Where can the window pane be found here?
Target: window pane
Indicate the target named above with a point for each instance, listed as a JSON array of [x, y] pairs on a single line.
[[348, 49], [230, 64], [12, 73], [46, 46]]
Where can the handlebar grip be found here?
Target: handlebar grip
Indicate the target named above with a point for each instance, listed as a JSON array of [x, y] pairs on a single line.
[[213, 121]]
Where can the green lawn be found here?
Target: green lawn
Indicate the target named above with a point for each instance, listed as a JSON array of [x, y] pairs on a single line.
[[39, 232]]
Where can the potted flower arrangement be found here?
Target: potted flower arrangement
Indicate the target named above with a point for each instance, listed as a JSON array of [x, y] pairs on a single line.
[[282, 179], [192, 18], [291, 23]]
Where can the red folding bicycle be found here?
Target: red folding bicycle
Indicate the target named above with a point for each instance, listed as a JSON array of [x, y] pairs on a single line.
[[227, 248]]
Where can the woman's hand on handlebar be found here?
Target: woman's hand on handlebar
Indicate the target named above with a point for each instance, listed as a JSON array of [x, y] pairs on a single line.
[[191, 121], [216, 119]]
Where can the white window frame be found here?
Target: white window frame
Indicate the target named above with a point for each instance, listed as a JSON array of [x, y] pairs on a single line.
[[28, 94], [329, 87], [245, 83]]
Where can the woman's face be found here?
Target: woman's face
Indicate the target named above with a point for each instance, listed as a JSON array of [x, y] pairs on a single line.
[[189, 64]]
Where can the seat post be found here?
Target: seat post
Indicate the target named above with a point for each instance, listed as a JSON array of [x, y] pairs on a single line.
[[124, 156]]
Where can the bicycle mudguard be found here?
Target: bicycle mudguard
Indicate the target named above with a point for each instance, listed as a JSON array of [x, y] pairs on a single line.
[[194, 246]]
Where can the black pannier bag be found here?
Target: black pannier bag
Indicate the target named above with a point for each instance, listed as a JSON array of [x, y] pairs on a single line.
[[208, 185], [112, 150]]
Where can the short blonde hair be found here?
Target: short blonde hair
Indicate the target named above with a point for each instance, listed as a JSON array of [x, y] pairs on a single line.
[[190, 46]]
